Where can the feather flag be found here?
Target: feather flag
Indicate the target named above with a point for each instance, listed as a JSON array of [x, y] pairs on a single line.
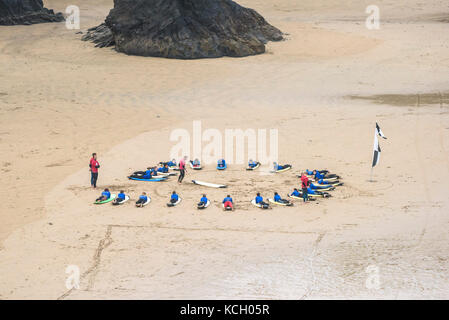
[[377, 150]]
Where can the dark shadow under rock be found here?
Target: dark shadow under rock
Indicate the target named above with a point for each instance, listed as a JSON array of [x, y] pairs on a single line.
[[13, 12], [184, 29]]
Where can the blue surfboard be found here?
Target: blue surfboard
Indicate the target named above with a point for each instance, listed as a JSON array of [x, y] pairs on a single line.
[[152, 179]]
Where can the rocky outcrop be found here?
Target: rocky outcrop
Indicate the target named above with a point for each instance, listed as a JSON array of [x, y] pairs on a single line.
[[184, 29], [101, 35], [14, 12]]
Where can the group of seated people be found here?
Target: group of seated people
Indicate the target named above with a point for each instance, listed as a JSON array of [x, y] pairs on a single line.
[[276, 198], [228, 203], [106, 195], [320, 174]]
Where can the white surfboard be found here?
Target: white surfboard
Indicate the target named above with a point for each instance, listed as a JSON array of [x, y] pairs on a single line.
[[145, 203], [280, 203], [254, 168], [174, 204], [208, 184], [207, 205], [282, 170], [162, 174], [253, 202], [126, 200]]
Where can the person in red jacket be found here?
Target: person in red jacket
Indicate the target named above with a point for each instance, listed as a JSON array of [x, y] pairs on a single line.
[[93, 166], [304, 185], [182, 169]]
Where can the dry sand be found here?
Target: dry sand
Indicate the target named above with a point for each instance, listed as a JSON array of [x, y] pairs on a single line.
[[61, 99]]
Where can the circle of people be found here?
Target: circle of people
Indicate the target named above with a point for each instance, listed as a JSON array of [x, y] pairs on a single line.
[[314, 184]]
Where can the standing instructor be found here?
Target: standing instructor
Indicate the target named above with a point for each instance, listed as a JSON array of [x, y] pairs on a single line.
[[182, 169], [93, 166]]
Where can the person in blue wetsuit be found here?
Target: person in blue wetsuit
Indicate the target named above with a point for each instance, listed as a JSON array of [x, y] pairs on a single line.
[[228, 202], [174, 197], [143, 174], [278, 167], [142, 199], [120, 197], [148, 174], [171, 164], [318, 175], [295, 193], [252, 163], [105, 195], [311, 191], [323, 186], [277, 198], [221, 163], [259, 200], [163, 169], [203, 201]]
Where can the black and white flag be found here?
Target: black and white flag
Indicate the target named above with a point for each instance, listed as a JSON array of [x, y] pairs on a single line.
[[376, 154]]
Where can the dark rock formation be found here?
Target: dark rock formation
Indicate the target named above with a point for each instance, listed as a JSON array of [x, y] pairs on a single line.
[[102, 36], [184, 29], [26, 12]]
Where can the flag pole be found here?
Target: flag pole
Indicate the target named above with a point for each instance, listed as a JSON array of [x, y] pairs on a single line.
[[371, 175]]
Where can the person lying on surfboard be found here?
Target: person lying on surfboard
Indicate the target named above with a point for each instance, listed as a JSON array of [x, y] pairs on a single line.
[[320, 186], [312, 172], [142, 199], [252, 163], [163, 168], [148, 174], [172, 163], [174, 197], [323, 174], [221, 163], [120, 197], [277, 198], [228, 202], [203, 201], [311, 191], [295, 193], [278, 167], [259, 200], [196, 162], [105, 195]]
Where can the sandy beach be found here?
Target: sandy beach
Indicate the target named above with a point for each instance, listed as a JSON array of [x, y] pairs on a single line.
[[323, 88]]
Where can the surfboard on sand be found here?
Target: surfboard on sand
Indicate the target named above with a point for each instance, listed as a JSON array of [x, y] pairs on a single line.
[[287, 204], [208, 184], [141, 205], [253, 168], [122, 202], [253, 202], [174, 204], [111, 198], [205, 206]]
